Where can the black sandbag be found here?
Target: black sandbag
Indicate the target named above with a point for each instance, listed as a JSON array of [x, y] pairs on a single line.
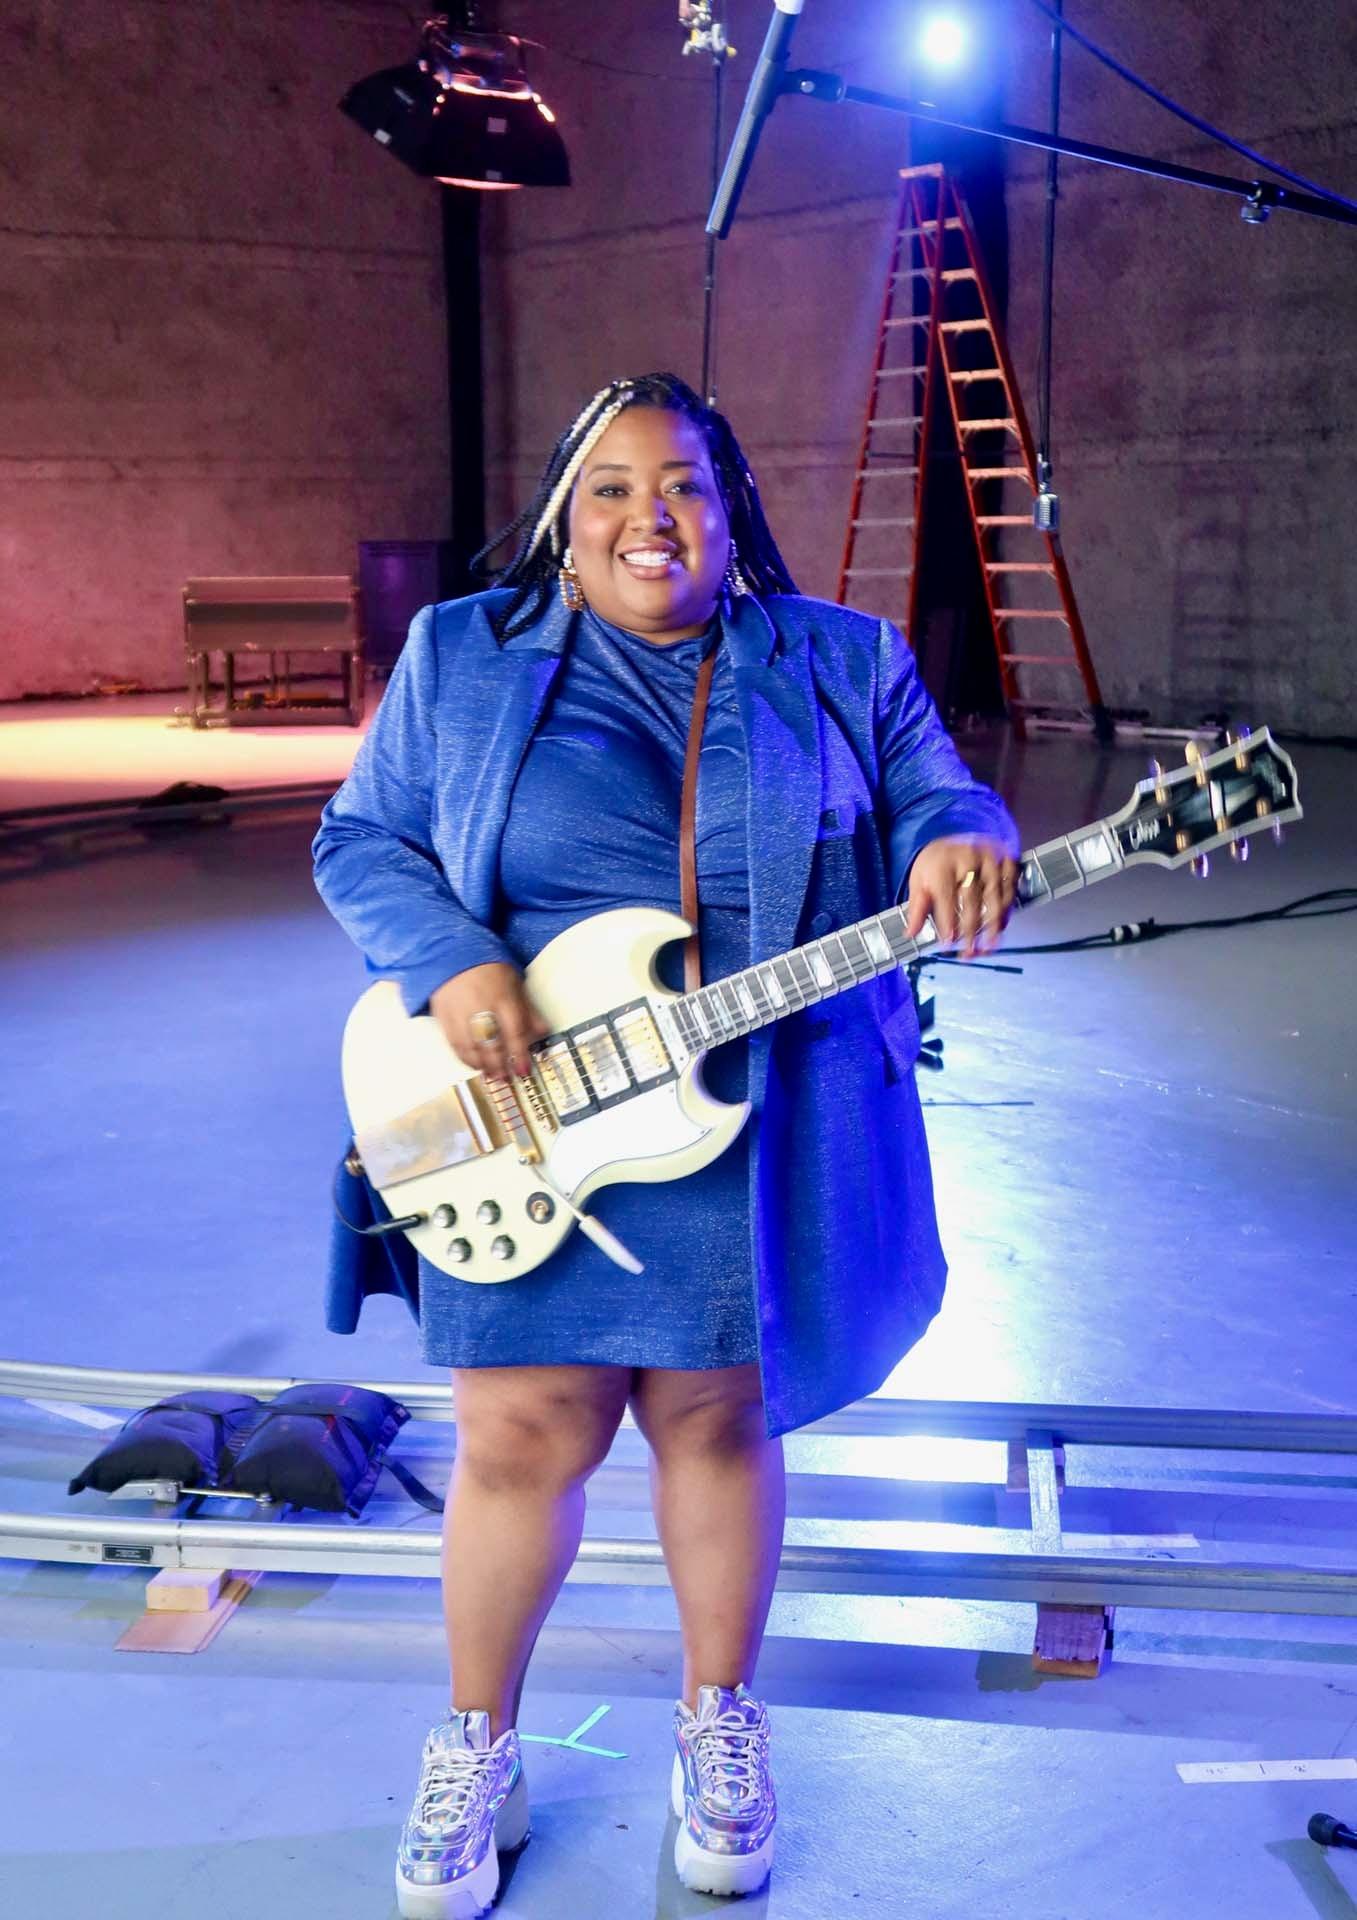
[[317, 1446], [183, 1438]]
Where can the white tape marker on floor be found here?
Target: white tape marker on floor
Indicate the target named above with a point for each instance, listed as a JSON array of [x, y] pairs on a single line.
[[1203, 1773], [83, 1416]]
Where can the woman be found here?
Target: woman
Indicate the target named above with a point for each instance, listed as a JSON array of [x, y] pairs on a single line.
[[523, 772]]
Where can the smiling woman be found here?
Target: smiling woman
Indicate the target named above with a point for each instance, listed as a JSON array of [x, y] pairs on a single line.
[[645, 647], [649, 535], [661, 419]]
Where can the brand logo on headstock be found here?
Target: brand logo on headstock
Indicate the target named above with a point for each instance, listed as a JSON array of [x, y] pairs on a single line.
[[1140, 831]]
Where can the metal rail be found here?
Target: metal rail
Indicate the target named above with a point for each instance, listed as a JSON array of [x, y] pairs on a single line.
[[1190, 1429], [1044, 1574], [274, 1546]]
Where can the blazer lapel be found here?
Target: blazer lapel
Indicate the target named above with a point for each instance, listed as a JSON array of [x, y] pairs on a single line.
[[502, 692], [782, 740]]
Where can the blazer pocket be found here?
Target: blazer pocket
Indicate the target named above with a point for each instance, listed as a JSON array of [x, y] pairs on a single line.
[[900, 1042]]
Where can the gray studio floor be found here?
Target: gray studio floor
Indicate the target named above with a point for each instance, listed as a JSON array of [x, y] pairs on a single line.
[[1145, 1170]]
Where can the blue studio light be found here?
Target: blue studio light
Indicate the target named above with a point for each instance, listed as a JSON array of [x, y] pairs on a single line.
[[943, 41]]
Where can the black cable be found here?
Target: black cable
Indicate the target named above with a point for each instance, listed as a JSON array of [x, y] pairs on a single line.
[[379, 1228], [1048, 271], [626, 73], [1308, 907], [708, 387], [1185, 113]]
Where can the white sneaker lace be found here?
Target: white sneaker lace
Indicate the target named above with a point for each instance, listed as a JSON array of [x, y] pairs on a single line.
[[450, 1788], [729, 1744]]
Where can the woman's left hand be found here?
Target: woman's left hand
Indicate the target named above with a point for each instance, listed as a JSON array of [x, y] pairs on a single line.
[[967, 887]]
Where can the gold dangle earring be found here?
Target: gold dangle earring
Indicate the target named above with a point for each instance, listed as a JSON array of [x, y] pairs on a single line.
[[736, 584], [572, 593]]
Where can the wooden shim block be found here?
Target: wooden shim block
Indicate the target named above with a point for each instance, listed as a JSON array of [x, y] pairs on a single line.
[[184, 1590], [1017, 1481], [1072, 1640], [171, 1631]]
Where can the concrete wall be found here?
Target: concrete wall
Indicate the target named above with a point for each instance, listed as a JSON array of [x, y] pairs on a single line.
[[223, 345], [223, 336], [1205, 371]]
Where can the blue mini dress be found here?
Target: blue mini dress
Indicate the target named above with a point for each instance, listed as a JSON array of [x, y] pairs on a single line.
[[593, 825]]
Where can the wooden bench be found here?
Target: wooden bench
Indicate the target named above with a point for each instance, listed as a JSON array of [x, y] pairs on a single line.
[[273, 618]]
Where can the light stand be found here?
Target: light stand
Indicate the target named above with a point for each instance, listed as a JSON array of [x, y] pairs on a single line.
[[707, 34], [1046, 508], [463, 112], [461, 221]]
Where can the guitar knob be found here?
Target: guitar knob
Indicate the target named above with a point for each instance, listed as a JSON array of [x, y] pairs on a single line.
[[502, 1247], [445, 1216], [1201, 866], [541, 1207], [460, 1251], [488, 1212], [1239, 850]]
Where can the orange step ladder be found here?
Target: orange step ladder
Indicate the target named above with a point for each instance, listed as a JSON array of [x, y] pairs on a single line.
[[939, 330]]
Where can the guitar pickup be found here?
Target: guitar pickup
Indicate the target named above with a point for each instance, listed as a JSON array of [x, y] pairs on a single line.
[[594, 1065]]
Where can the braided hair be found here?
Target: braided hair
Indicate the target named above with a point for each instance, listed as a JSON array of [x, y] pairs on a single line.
[[540, 529]]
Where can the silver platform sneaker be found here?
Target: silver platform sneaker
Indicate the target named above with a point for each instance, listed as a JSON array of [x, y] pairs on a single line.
[[471, 1806], [722, 1792]]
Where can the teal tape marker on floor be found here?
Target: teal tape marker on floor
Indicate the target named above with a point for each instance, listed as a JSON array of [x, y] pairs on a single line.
[[573, 1740]]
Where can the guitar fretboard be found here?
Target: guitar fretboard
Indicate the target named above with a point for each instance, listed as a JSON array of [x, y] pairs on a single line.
[[758, 995]]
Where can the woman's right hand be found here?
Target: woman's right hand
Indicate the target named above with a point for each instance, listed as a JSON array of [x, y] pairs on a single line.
[[497, 989]]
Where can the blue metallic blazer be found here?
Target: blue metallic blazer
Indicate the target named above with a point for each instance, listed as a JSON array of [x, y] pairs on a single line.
[[850, 775]]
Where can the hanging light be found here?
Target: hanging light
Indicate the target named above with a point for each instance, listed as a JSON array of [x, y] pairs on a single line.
[[463, 111], [943, 41]]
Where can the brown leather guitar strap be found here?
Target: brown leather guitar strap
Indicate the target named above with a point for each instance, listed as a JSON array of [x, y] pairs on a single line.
[[692, 952]]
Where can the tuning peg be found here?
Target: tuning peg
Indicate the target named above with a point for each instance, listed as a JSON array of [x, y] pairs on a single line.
[[1160, 790], [1239, 850], [1194, 759], [1239, 737], [1277, 834], [1201, 866]]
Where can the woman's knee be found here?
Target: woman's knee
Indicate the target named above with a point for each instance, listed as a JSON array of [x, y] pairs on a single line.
[[524, 1429], [717, 1411]]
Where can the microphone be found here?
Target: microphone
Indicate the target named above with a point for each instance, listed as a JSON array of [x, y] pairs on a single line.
[[1328, 1832], [758, 104]]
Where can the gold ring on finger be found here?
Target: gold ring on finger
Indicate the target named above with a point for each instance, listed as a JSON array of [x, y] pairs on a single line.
[[484, 1025], [969, 881]]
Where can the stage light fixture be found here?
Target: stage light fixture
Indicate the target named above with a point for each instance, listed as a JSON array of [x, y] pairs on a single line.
[[463, 111], [943, 41]]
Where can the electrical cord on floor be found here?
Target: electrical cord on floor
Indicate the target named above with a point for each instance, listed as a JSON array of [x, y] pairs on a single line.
[[1311, 906]]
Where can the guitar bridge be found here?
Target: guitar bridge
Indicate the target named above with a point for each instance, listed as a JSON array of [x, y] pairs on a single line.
[[503, 1096]]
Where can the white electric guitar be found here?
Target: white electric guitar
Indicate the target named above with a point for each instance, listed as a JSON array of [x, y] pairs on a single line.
[[487, 1180]]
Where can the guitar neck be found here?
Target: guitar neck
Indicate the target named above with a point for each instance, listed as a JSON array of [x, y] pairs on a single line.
[[756, 996]]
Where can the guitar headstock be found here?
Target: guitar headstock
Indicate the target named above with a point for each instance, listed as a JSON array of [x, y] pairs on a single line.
[[1216, 800]]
